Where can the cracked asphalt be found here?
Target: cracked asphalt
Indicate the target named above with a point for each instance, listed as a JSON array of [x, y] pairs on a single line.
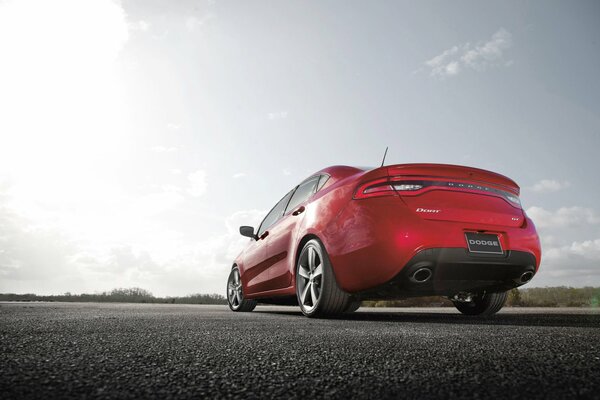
[[88, 350]]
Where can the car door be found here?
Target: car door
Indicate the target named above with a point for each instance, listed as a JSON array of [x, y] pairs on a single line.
[[279, 244], [256, 260]]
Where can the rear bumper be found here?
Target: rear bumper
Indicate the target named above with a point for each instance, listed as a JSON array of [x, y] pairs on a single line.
[[373, 241], [456, 270]]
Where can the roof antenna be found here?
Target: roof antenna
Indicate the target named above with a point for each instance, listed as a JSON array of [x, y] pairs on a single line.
[[384, 154]]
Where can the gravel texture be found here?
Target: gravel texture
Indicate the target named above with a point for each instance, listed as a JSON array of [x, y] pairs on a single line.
[[72, 350]]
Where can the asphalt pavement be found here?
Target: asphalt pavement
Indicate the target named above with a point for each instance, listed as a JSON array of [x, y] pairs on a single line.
[[75, 350]]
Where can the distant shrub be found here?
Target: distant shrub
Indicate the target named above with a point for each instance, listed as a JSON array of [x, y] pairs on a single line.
[[531, 297], [120, 295]]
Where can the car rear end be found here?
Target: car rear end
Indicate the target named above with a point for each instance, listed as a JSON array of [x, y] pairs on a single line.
[[432, 229]]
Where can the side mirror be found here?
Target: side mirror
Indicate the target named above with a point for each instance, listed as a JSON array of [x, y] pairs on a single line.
[[248, 231]]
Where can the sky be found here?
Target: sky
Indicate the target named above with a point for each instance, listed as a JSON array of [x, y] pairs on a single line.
[[136, 136]]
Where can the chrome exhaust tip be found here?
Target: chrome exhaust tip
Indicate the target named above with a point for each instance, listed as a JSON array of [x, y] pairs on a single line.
[[421, 275], [526, 276]]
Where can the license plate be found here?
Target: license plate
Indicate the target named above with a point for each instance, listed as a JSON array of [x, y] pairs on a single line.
[[483, 243]]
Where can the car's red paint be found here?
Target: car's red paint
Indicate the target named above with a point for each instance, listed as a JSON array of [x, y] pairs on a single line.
[[370, 239]]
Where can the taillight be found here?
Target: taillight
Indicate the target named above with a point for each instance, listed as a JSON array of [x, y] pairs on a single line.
[[376, 188], [384, 187], [513, 199], [398, 185]]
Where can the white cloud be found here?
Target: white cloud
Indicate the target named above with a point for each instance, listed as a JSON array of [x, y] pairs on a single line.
[[197, 181], [173, 126], [286, 172], [240, 175], [452, 68], [156, 203], [476, 57], [245, 217], [193, 23], [164, 149], [277, 115], [588, 249], [579, 258], [563, 217], [124, 244], [549, 186], [489, 52], [140, 25]]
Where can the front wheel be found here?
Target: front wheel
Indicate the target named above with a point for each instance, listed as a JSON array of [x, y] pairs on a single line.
[[485, 304], [316, 288], [235, 296]]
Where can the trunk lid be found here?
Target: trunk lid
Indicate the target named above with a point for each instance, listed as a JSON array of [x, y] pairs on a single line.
[[457, 193]]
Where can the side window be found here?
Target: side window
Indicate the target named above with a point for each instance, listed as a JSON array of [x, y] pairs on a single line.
[[303, 192], [274, 214], [322, 181]]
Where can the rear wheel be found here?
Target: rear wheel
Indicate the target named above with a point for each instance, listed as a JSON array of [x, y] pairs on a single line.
[[316, 288], [235, 296], [485, 304], [353, 306]]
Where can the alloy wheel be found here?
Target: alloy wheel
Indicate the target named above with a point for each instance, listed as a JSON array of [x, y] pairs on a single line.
[[234, 289], [310, 278]]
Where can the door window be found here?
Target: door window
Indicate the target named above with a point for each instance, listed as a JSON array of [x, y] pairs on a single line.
[[302, 193], [273, 215]]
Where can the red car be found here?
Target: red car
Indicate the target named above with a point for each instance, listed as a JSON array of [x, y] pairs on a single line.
[[349, 234]]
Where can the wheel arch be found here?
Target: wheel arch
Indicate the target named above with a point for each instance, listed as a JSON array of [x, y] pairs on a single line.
[[240, 268], [305, 239]]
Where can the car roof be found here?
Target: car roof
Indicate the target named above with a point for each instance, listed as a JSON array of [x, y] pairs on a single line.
[[338, 172]]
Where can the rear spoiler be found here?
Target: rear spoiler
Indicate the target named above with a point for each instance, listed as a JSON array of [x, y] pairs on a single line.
[[445, 171]]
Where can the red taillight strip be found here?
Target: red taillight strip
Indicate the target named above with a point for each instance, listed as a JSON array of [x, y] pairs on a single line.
[[376, 188], [371, 189]]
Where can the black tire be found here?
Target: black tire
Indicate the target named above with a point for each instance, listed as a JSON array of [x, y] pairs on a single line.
[[235, 296], [486, 304], [352, 306], [330, 299]]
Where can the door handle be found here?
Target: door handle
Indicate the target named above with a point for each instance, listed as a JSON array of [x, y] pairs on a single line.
[[264, 235], [299, 210]]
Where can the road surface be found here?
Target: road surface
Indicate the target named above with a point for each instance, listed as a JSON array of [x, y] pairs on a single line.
[[74, 350]]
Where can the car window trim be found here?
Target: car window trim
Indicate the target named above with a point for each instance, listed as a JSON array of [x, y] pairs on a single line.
[[323, 175]]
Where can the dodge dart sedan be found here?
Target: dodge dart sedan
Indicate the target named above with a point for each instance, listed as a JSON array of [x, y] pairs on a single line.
[[348, 234]]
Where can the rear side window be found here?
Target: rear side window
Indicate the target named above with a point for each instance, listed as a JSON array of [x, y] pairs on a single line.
[[274, 214], [302, 193]]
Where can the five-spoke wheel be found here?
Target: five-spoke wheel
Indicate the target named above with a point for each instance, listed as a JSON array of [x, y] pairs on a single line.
[[316, 288], [310, 278]]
